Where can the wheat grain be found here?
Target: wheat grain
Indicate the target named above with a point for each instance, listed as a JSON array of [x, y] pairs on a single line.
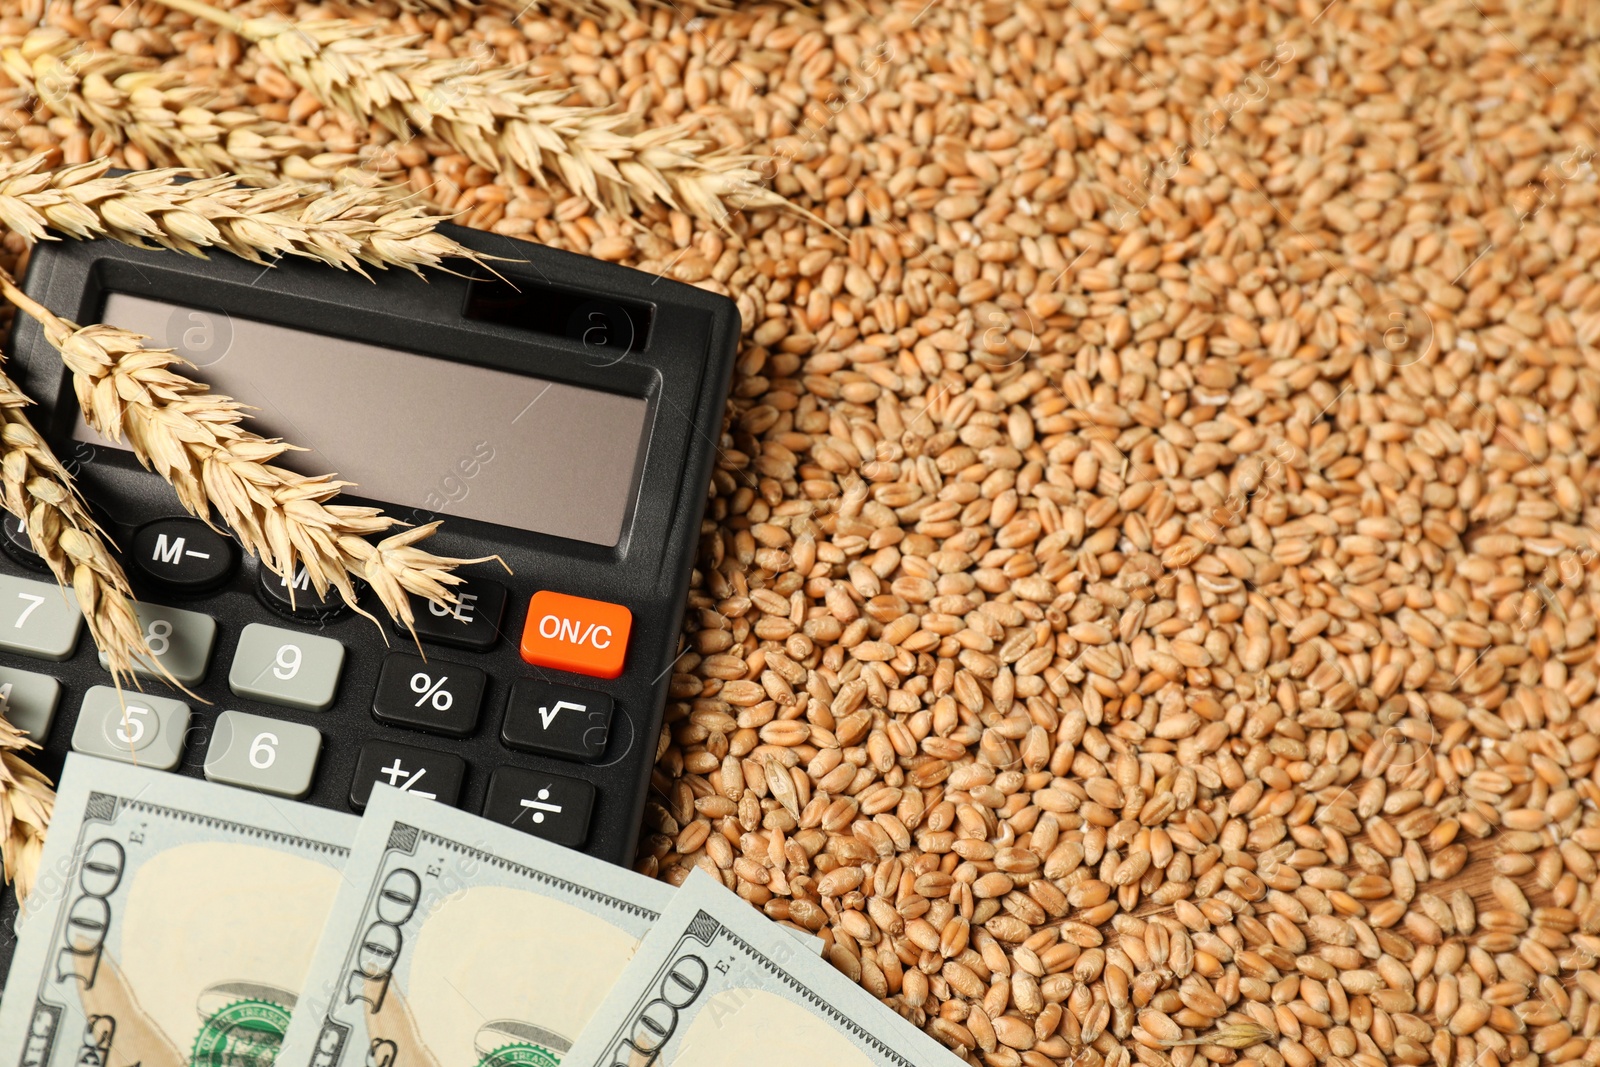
[[346, 227], [501, 119], [223, 473]]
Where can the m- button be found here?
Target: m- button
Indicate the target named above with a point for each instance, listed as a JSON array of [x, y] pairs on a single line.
[[573, 633], [183, 554]]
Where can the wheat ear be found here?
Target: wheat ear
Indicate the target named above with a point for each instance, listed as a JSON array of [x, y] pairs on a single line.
[[599, 9], [38, 490], [196, 440], [173, 123], [502, 119], [26, 803], [346, 227]]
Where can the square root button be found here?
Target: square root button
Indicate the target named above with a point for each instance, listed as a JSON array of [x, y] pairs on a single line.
[[574, 633], [544, 805], [557, 720]]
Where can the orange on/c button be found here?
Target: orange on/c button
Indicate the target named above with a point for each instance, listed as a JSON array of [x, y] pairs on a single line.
[[574, 633]]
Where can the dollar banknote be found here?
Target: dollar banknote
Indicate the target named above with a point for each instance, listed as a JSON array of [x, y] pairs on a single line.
[[173, 922], [458, 941], [717, 984]]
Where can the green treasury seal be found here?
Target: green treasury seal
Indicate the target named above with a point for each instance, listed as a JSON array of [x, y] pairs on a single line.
[[246, 1033], [520, 1056]]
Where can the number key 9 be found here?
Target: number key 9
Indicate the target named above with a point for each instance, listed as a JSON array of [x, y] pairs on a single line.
[[287, 667]]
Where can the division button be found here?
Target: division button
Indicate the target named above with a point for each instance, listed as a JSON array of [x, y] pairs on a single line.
[[181, 641], [422, 772], [131, 727], [473, 622], [267, 755], [297, 670], [544, 805], [183, 554], [431, 695], [38, 618], [556, 720]]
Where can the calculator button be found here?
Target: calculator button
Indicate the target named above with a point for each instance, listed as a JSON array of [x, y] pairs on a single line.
[[181, 641], [286, 667], [131, 727], [306, 604], [18, 545], [573, 633], [430, 695], [182, 554], [29, 701], [267, 755], [544, 805], [556, 720], [38, 618], [472, 622], [422, 772]]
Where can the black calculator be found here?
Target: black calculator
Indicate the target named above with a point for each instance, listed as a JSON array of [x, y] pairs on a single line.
[[560, 413]]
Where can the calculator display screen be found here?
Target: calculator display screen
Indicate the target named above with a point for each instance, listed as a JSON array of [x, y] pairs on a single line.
[[416, 431]]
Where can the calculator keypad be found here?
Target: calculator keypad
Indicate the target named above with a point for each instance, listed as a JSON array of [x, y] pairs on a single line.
[[267, 755], [38, 619], [544, 805], [291, 668], [556, 720], [131, 727], [288, 667], [180, 639], [422, 772], [429, 695], [473, 622], [28, 701]]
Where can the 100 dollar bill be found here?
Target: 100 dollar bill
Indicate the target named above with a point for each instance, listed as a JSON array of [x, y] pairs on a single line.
[[173, 923], [458, 941], [717, 984]]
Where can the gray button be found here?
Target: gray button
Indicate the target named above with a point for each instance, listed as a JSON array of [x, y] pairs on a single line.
[[131, 727], [38, 618], [180, 639], [256, 752], [286, 667], [29, 701]]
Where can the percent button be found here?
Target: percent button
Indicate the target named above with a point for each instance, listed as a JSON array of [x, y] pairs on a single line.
[[428, 695]]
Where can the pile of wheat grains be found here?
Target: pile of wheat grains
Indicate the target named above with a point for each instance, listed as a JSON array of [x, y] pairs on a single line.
[[1146, 607]]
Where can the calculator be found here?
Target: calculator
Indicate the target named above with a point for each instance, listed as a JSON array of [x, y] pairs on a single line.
[[558, 412]]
